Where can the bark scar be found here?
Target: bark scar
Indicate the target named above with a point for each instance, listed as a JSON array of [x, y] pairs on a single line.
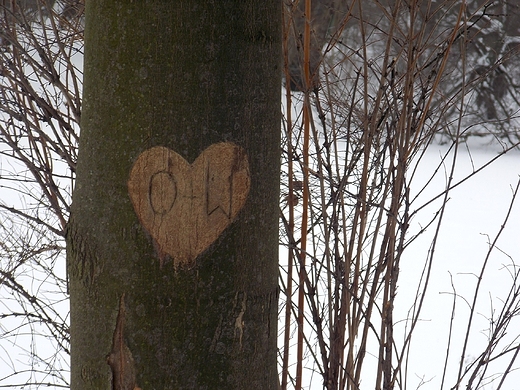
[[239, 321], [120, 358]]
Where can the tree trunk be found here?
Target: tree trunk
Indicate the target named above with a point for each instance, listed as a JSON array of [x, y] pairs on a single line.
[[173, 236]]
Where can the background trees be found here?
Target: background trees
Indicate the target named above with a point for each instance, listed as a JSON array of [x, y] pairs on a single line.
[[405, 54]]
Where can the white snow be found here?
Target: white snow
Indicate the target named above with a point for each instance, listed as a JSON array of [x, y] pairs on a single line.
[[475, 212]]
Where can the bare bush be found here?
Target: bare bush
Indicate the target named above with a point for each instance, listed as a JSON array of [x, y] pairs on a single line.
[[40, 91], [394, 77]]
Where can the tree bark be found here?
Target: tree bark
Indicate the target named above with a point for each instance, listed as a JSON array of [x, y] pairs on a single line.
[[170, 80]]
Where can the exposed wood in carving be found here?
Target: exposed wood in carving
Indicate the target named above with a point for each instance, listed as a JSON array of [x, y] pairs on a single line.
[[185, 207], [120, 358]]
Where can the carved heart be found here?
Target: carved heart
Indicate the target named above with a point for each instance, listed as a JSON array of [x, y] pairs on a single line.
[[185, 207]]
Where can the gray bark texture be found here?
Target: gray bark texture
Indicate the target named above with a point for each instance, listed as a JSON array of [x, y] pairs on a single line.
[[182, 75]]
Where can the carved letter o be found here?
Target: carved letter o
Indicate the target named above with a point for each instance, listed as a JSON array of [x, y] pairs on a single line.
[[162, 192]]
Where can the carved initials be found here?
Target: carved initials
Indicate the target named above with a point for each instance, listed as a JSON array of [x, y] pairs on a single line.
[[186, 207]]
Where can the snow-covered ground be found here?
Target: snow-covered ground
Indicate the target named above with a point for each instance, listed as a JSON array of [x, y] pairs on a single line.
[[474, 215]]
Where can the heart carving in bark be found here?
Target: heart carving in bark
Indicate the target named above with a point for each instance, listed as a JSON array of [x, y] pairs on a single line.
[[186, 207]]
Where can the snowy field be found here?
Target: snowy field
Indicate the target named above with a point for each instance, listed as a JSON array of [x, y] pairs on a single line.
[[475, 212]]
